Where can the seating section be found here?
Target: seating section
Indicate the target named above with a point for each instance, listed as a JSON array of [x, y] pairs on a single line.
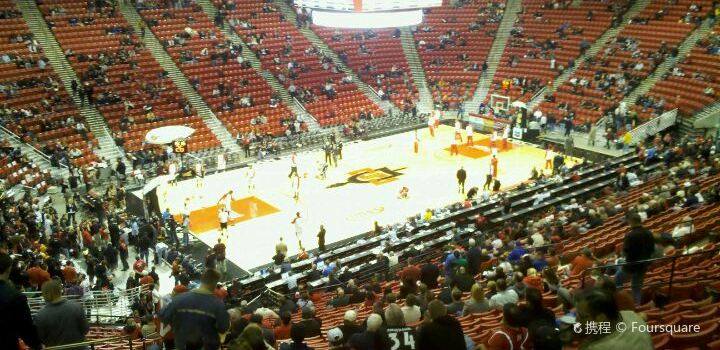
[[15, 170], [599, 84], [115, 68], [234, 91], [690, 85], [453, 43], [542, 34], [377, 57], [36, 106], [289, 56]]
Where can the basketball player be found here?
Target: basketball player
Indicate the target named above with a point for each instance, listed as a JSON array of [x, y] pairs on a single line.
[[223, 216], [431, 124], [250, 174], [458, 130], [296, 187], [493, 137], [469, 134], [416, 143], [293, 166], [549, 155], [226, 200], [199, 174], [506, 136], [297, 222], [454, 146], [494, 166], [172, 172]]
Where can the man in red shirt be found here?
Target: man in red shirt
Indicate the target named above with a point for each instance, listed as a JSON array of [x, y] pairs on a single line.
[[37, 275], [146, 279], [69, 272], [581, 262], [139, 265], [412, 271], [510, 335]]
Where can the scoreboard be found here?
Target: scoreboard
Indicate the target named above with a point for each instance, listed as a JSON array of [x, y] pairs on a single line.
[[367, 5]]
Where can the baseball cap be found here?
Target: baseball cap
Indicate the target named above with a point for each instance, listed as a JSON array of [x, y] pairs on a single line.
[[335, 335]]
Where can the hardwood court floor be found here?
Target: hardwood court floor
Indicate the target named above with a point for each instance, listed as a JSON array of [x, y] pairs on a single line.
[[361, 189]]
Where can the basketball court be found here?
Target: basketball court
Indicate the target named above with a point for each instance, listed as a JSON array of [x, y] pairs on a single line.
[[361, 189]]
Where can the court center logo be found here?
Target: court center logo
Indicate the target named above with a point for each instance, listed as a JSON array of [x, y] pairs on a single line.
[[376, 177]]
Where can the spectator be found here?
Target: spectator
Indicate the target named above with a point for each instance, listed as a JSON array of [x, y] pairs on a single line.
[[198, 317], [268, 335], [336, 340], [373, 337], [12, 302], [411, 311], [340, 299], [310, 325], [350, 326], [582, 262], [534, 313], [440, 330], [282, 331], [456, 307], [598, 306], [251, 337], [511, 334], [401, 336], [297, 334], [429, 274], [503, 295], [477, 302], [60, 321], [683, 229], [638, 245]]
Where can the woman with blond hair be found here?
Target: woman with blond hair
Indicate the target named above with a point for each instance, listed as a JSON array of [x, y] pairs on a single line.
[[477, 302]]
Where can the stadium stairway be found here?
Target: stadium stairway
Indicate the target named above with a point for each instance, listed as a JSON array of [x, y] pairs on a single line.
[[512, 7], [290, 14], [295, 106], [684, 48], [425, 104], [591, 52], [35, 156], [37, 25], [181, 81], [687, 123]]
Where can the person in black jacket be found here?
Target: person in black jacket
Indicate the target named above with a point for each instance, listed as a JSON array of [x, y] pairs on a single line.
[[461, 176], [474, 257], [16, 322], [310, 325], [429, 274], [442, 331], [638, 245]]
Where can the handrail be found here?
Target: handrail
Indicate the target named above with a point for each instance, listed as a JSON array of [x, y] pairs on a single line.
[[653, 126], [91, 343], [42, 154], [537, 94], [674, 259]]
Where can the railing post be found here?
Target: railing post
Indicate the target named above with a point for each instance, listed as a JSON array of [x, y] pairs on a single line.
[[130, 343], [672, 275]]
